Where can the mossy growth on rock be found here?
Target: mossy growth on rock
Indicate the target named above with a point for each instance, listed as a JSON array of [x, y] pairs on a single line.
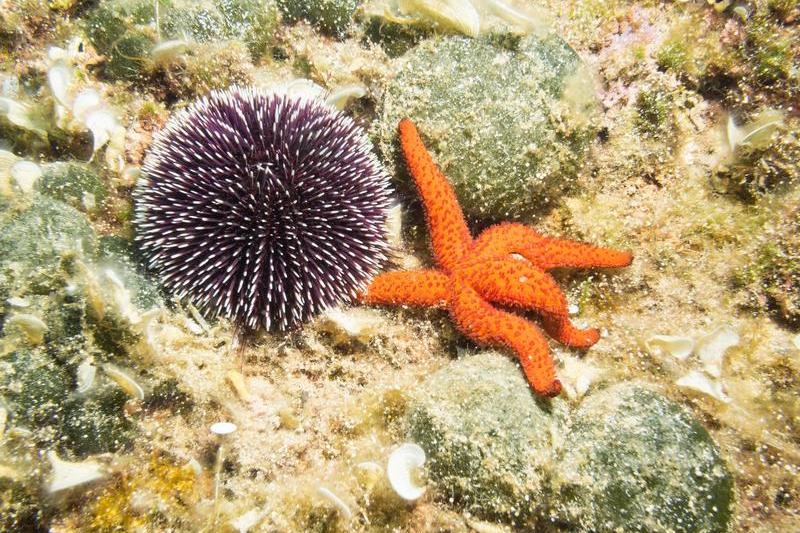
[[632, 460], [772, 277], [250, 22], [74, 184], [124, 32], [329, 16], [40, 392], [34, 242], [486, 437], [508, 120]]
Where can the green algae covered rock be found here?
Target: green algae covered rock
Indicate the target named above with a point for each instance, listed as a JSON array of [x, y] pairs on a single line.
[[40, 392], [632, 460], [74, 184], [486, 436], [33, 244], [123, 31], [329, 16], [508, 122], [253, 22]]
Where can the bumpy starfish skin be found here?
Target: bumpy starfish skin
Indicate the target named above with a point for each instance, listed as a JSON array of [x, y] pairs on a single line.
[[504, 265]]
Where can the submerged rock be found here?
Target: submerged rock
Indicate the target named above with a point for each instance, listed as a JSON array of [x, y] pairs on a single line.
[[74, 184], [509, 123], [487, 437], [633, 460], [329, 16]]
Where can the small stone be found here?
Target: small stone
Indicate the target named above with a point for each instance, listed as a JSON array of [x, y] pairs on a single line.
[[486, 436], [632, 460]]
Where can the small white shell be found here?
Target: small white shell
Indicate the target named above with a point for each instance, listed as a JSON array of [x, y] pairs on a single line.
[[67, 475], [125, 382], [85, 376], [88, 201], [102, 124], [32, 326], [168, 51], [459, 15], [796, 341], [711, 348], [342, 507], [25, 174], [345, 325], [699, 382], [678, 347], [339, 96], [20, 114], [402, 462], [247, 521], [15, 301], [222, 428], [59, 78], [86, 101]]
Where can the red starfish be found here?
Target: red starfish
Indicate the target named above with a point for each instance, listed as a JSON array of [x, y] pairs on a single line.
[[504, 265]]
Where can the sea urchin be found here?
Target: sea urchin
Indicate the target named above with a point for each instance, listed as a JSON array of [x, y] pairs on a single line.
[[262, 207]]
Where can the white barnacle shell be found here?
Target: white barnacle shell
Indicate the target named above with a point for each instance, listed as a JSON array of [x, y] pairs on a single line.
[[346, 325], [675, 345], [339, 96], [67, 475], [102, 124], [85, 102], [400, 469], [711, 348], [222, 429], [459, 15], [59, 79], [20, 114]]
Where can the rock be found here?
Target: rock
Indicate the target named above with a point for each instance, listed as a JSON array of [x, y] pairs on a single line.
[[329, 16], [509, 123], [632, 460], [73, 184], [40, 392], [486, 436]]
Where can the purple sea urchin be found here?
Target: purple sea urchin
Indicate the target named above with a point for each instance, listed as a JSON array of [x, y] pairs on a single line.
[[262, 207]]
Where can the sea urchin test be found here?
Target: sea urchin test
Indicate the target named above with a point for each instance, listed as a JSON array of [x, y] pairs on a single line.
[[263, 207]]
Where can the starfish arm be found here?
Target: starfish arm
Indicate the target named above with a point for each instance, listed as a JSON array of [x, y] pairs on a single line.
[[561, 329], [486, 325], [450, 236], [553, 253], [415, 287], [507, 238], [502, 239], [516, 283]]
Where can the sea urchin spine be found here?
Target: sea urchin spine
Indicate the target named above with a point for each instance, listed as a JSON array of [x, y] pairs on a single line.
[[263, 207]]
